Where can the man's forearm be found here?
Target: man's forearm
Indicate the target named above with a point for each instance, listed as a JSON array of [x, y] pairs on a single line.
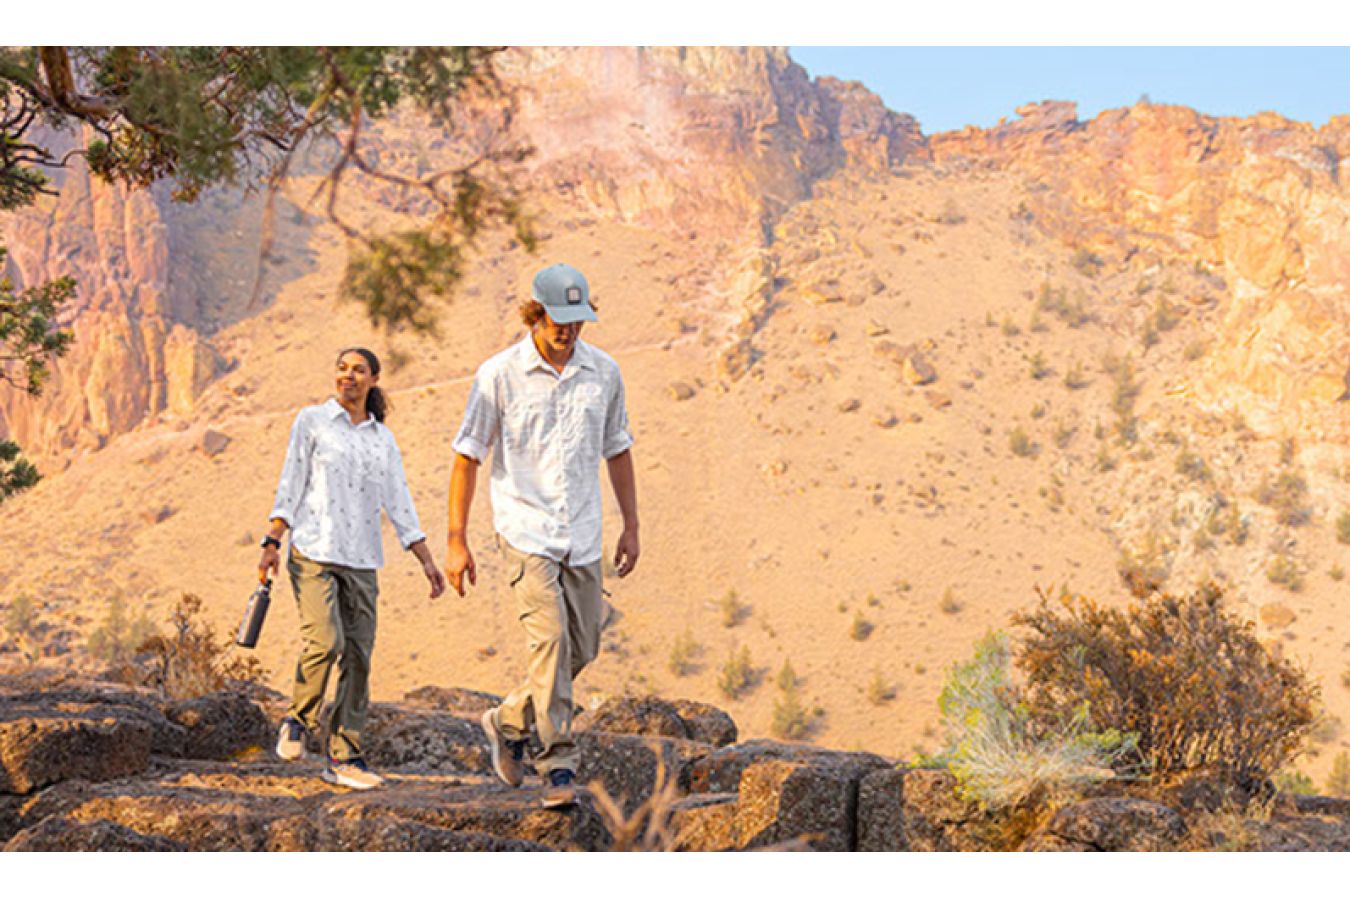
[[463, 480], [624, 482]]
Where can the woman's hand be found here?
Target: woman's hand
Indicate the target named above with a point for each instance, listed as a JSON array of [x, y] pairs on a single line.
[[270, 562]]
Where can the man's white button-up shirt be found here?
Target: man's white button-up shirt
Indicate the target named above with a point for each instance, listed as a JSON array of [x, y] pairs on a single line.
[[336, 479], [549, 430]]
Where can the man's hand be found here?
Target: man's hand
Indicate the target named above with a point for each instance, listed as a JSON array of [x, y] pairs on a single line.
[[626, 554], [435, 579], [270, 562], [458, 562]]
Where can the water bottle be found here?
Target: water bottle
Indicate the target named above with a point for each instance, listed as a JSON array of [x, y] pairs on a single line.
[[254, 615]]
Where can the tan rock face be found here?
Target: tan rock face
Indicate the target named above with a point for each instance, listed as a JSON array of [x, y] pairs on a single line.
[[1259, 200]]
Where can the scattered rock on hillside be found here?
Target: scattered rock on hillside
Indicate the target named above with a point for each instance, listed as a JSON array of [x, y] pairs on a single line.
[[736, 360], [213, 442], [821, 334], [918, 370], [680, 391]]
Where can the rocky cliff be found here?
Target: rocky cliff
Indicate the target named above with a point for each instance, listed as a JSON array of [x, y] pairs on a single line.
[[1260, 201], [709, 141]]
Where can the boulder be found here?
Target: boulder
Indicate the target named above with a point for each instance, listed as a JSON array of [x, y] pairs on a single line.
[[916, 809], [635, 715], [706, 722], [408, 739], [704, 822], [62, 834], [630, 767], [456, 701], [781, 802], [720, 771], [98, 698], [916, 370], [1118, 823], [220, 725], [41, 744]]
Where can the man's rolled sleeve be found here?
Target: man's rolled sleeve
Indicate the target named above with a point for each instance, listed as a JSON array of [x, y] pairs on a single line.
[[482, 422], [398, 501], [617, 437], [294, 472]]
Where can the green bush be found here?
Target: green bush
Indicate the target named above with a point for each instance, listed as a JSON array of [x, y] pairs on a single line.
[[731, 610], [1343, 527], [1192, 466], [1285, 571], [1287, 494], [1338, 780], [861, 629], [879, 692], [738, 673], [684, 653], [790, 721], [1292, 781], [118, 637], [1000, 756], [1021, 444], [1186, 675]]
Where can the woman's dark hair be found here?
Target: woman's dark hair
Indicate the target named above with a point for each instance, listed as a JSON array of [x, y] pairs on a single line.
[[377, 404]]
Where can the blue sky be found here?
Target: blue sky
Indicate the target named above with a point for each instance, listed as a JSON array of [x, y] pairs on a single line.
[[947, 88]]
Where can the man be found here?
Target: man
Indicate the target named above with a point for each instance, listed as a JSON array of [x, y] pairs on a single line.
[[552, 407]]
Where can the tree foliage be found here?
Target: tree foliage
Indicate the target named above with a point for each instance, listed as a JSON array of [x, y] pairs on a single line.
[[200, 117]]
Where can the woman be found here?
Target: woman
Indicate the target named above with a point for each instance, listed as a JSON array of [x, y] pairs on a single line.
[[342, 467]]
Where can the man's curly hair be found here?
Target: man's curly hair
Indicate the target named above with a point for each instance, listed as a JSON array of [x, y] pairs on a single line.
[[532, 311]]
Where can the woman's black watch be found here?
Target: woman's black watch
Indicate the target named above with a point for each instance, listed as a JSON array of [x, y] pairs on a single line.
[[269, 541]]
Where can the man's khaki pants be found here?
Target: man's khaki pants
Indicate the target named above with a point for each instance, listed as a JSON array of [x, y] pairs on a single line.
[[562, 609], [337, 623]]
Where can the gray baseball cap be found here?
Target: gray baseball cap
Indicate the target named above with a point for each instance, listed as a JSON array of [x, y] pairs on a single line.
[[564, 294]]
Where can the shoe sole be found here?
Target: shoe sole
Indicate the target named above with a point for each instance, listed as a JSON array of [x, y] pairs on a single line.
[[495, 746], [560, 802], [334, 778], [289, 756]]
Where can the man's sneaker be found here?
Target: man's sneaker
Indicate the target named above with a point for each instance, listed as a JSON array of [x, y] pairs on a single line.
[[291, 739], [507, 756], [352, 773], [561, 790]]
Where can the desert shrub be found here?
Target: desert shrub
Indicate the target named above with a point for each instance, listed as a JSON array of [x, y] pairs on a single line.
[[999, 755], [1039, 368], [790, 721], [1021, 444], [1063, 433], [23, 627], [1287, 495], [787, 676], [879, 691], [1075, 379], [684, 653], [1195, 350], [1284, 570], [950, 605], [1292, 781], [118, 637], [951, 213], [861, 629], [731, 610], [1087, 262], [1336, 573], [1343, 527], [1192, 466], [1145, 566], [1009, 327], [1183, 673], [1338, 779], [1165, 316], [738, 673], [190, 660]]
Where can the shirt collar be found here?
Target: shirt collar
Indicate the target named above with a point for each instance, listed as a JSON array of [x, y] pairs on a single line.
[[531, 359], [336, 410]]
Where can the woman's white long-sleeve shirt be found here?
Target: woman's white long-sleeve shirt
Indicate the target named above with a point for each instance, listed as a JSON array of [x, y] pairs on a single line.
[[336, 479]]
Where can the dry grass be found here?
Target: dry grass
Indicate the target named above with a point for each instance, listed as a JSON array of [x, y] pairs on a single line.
[[648, 828], [190, 661]]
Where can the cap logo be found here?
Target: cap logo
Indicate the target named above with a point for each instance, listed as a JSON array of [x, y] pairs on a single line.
[[573, 295]]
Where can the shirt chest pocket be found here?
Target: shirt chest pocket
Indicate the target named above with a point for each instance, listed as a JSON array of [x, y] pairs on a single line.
[[585, 416], [529, 421]]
